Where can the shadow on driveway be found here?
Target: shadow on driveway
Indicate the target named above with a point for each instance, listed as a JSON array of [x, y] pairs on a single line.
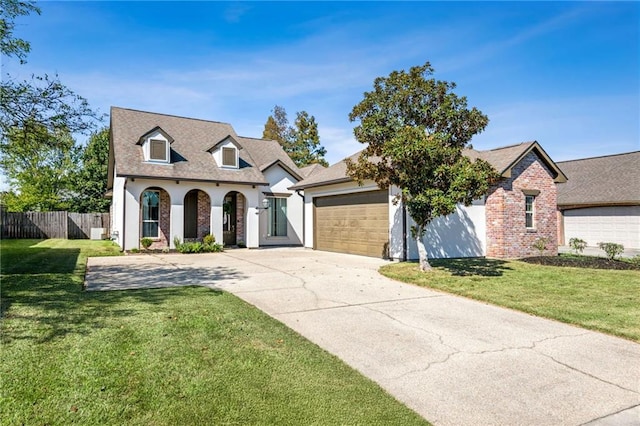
[[127, 276]]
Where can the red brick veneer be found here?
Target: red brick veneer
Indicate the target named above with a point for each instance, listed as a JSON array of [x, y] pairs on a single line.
[[507, 235]]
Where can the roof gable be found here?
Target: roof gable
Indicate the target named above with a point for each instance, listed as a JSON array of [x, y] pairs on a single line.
[[278, 162], [153, 131], [504, 159], [226, 139]]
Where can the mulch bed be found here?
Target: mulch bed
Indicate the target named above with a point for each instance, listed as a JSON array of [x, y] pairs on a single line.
[[581, 262]]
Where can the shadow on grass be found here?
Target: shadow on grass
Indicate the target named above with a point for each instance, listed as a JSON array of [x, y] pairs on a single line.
[[42, 295], [477, 266]]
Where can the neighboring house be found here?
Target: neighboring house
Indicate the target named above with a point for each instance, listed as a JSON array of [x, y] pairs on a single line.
[[601, 200], [344, 217], [181, 177]]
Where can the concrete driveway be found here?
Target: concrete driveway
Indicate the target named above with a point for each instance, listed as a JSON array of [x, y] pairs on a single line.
[[454, 361]]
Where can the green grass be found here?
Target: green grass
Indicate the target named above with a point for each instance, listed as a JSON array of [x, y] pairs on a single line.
[[178, 356], [602, 300]]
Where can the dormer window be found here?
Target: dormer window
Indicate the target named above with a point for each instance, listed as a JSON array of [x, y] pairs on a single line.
[[230, 157], [157, 150], [156, 146], [226, 153]]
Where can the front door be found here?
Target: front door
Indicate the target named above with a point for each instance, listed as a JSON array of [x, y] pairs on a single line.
[[191, 215], [229, 219]]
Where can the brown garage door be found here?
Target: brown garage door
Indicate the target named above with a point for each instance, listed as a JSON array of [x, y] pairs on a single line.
[[353, 223]]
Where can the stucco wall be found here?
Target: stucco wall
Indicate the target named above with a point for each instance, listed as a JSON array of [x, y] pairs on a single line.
[[507, 235], [176, 192], [460, 234]]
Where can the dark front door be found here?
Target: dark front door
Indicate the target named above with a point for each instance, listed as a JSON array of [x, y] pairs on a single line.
[[191, 215], [229, 219]]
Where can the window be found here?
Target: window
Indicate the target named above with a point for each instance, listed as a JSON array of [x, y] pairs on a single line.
[[229, 157], [529, 210], [150, 213], [158, 150], [277, 226]]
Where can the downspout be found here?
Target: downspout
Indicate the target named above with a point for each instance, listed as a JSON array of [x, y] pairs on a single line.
[[304, 227], [404, 232], [124, 213]]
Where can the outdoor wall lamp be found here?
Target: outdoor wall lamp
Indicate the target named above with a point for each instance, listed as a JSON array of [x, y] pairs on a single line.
[[265, 205]]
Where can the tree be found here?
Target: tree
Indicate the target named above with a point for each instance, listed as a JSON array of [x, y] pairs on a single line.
[[90, 182], [40, 171], [415, 129], [306, 148], [37, 118], [302, 142], [9, 11]]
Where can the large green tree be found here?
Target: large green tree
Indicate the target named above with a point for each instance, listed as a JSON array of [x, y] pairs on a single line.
[[37, 118], [40, 166], [90, 182], [415, 128], [300, 141]]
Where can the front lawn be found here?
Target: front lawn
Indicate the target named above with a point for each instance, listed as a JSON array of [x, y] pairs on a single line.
[[178, 356], [602, 300]]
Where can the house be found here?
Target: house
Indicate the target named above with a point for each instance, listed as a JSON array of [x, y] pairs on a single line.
[[601, 200], [174, 177], [344, 217]]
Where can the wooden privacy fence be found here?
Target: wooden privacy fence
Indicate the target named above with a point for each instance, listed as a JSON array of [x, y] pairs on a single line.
[[72, 226]]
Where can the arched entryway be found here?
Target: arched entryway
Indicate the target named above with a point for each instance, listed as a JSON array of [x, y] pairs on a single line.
[[233, 219], [197, 215]]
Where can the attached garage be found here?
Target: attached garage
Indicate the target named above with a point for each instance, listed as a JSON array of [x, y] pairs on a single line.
[[616, 224], [352, 223]]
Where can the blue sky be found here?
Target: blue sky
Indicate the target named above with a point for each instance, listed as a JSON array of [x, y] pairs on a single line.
[[565, 74]]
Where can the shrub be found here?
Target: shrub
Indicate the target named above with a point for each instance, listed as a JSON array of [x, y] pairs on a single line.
[[134, 250], [577, 244], [242, 244], [146, 242], [612, 249], [635, 259], [194, 247], [208, 245], [165, 250], [541, 244]]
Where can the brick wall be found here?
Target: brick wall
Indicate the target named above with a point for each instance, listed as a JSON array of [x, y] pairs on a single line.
[[204, 214], [507, 235], [240, 204]]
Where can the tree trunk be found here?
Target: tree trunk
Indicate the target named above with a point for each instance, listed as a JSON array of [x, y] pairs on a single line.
[[422, 251]]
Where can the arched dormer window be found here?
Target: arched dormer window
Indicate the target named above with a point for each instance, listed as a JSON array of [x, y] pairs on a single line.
[[156, 146]]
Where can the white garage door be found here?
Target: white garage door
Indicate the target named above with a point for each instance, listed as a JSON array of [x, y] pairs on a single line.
[[604, 224]]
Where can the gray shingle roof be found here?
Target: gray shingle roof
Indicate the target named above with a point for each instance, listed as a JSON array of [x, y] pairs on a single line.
[[609, 180], [190, 159], [502, 159]]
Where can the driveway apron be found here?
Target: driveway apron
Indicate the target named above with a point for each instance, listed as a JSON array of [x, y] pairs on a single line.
[[453, 360]]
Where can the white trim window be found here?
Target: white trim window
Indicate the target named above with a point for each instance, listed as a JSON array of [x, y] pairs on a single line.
[[277, 217], [150, 214], [229, 157], [158, 150], [529, 211]]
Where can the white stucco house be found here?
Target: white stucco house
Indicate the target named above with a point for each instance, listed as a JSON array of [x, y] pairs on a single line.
[[176, 177]]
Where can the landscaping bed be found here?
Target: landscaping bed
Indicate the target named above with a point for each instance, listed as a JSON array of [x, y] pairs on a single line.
[[582, 262]]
